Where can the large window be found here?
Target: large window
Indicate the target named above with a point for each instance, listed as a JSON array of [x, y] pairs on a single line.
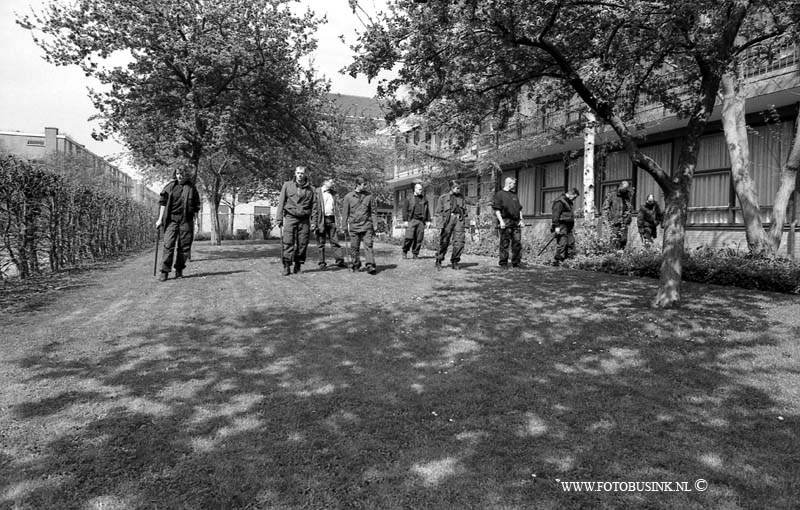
[[645, 184], [617, 169], [552, 185], [575, 180], [526, 190], [711, 186]]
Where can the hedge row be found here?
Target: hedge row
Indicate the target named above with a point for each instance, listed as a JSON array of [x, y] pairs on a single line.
[[51, 222]]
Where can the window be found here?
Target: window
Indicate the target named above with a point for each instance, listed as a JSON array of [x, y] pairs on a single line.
[[711, 188], [711, 183], [575, 180], [552, 185], [645, 184], [617, 168], [526, 190], [36, 142]]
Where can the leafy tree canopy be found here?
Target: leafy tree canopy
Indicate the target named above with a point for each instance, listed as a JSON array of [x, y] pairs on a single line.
[[215, 79]]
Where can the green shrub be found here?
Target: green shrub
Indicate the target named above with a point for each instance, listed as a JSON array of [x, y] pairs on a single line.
[[704, 265]]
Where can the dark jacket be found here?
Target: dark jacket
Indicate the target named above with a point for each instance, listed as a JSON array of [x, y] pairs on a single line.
[[408, 208], [359, 211], [508, 204], [295, 200], [318, 212], [191, 201], [617, 208], [563, 215], [452, 204], [649, 217]]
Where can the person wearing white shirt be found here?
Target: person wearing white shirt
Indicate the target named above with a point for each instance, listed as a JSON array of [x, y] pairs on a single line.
[[325, 216]]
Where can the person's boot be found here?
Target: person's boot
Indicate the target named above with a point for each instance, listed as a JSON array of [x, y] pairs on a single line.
[[455, 266], [179, 273], [405, 254], [163, 276], [340, 263], [371, 269], [297, 267], [322, 266], [287, 269], [438, 264]]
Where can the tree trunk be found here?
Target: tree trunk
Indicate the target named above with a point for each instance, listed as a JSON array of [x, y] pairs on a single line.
[[786, 189], [589, 137], [233, 217], [216, 235], [676, 208], [735, 128]]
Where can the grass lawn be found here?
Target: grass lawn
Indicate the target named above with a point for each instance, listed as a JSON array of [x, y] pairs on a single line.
[[238, 388]]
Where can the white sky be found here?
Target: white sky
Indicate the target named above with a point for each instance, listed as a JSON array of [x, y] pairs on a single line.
[[35, 94]]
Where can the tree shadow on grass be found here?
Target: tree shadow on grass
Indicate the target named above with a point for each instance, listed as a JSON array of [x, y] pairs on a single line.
[[206, 274], [481, 396]]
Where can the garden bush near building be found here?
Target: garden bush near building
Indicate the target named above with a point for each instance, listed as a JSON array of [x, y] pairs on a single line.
[[725, 266], [52, 222]]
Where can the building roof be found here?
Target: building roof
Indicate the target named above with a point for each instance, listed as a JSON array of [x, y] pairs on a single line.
[[359, 106]]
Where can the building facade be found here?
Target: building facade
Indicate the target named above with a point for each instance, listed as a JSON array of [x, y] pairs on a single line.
[[545, 165]]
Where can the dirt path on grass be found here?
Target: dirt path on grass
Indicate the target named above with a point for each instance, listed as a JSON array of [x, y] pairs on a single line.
[[238, 388]]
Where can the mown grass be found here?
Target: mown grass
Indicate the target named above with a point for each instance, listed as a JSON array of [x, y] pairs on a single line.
[[481, 388]]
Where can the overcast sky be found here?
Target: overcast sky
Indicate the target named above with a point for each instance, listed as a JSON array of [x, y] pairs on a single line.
[[35, 94]]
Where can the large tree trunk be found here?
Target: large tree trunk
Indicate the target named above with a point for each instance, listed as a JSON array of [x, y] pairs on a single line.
[[786, 188], [676, 208], [735, 128]]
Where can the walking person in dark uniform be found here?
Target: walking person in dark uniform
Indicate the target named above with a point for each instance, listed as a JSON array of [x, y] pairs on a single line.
[[295, 205], [178, 203], [617, 207], [509, 215], [452, 213], [648, 219], [325, 213], [416, 217], [360, 218], [563, 225]]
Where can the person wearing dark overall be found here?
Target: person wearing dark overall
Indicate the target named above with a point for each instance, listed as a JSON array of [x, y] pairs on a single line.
[[359, 216], [325, 213], [617, 208], [295, 205], [416, 217], [648, 220], [509, 216], [178, 204], [563, 225], [452, 213]]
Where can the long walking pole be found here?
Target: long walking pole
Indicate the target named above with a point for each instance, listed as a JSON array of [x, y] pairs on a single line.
[[546, 245], [158, 239]]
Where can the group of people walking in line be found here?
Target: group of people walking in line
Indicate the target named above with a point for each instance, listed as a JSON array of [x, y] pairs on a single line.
[[303, 209]]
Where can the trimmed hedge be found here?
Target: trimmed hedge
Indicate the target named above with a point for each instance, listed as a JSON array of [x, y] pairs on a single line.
[[52, 222]]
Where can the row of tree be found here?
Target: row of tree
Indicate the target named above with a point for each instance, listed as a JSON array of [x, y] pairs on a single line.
[[462, 62], [219, 84], [52, 221]]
